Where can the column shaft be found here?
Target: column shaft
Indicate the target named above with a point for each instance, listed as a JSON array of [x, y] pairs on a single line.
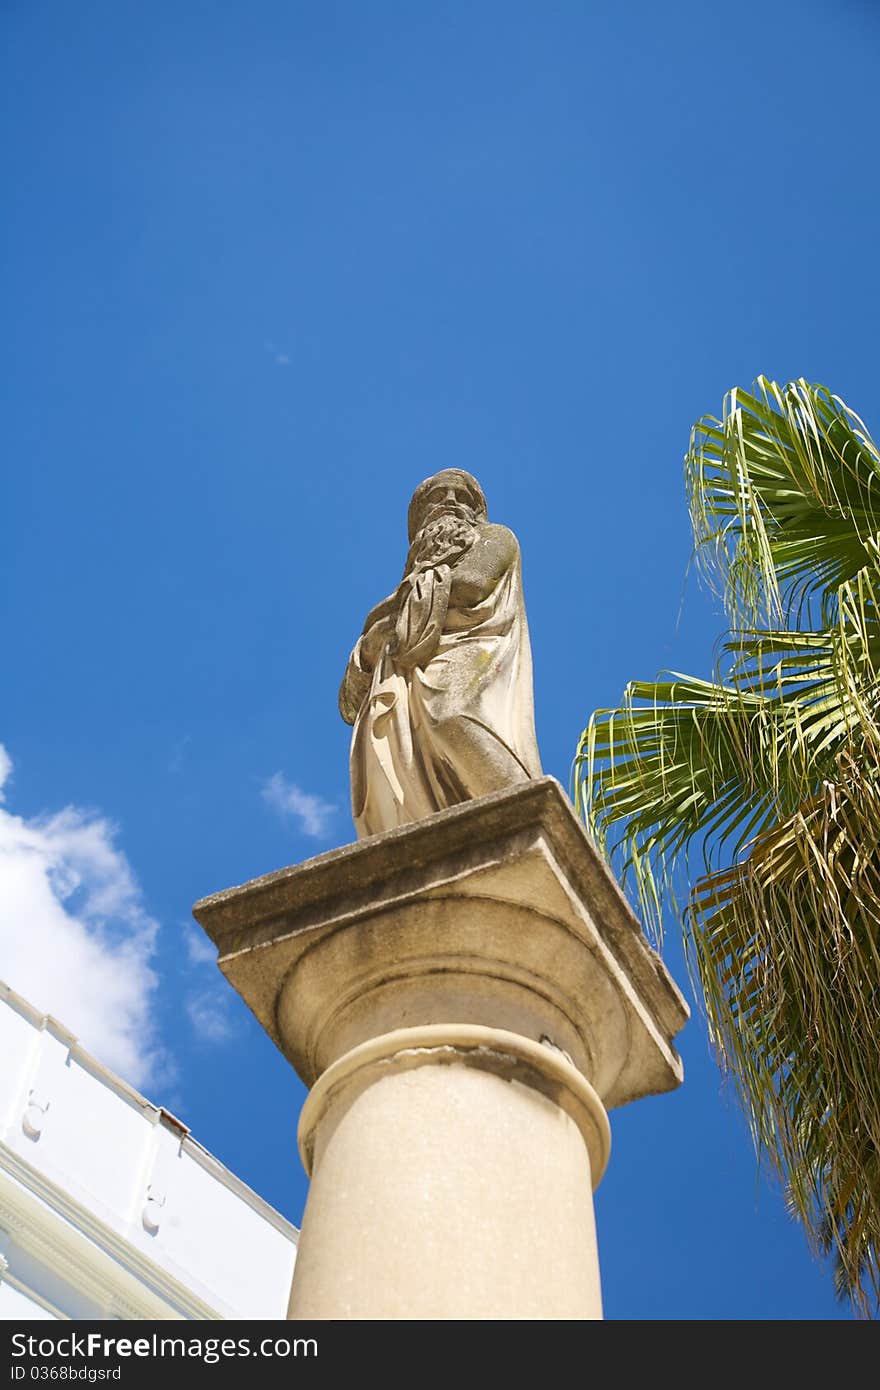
[[445, 1187]]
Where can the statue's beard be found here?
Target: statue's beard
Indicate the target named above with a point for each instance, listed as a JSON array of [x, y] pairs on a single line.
[[443, 540], [425, 597]]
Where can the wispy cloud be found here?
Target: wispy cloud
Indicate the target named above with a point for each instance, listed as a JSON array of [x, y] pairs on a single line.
[[291, 802], [280, 358], [199, 948], [75, 939], [175, 762], [209, 1001], [5, 771], [209, 1017]]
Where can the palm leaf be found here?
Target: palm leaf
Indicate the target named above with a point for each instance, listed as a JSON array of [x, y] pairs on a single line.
[[784, 496], [785, 948], [771, 772]]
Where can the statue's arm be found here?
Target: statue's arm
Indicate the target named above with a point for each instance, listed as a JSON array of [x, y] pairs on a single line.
[[477, 573], [386, 609], [356, 682], [354, 688]]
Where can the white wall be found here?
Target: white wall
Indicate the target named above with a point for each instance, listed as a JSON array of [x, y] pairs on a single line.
[[108, 1206]]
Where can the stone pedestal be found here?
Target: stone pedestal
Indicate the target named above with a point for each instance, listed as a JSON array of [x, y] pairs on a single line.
[[466, 997]]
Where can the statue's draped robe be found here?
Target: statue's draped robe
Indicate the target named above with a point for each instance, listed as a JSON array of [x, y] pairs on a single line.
[[442, 666]]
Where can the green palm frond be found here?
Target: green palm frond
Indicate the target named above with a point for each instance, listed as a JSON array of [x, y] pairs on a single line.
[[784, 496], [785, 947], [682, 760], [770, 774]]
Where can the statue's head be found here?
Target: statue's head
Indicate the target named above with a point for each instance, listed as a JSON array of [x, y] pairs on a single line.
[[450, 492]]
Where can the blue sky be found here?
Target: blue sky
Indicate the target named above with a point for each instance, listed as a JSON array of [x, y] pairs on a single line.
[[264, 269]]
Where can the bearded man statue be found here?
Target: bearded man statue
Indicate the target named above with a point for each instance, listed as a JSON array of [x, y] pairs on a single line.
[[439, 685]]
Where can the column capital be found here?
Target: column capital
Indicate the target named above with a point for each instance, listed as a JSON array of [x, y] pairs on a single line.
[[497, 914]]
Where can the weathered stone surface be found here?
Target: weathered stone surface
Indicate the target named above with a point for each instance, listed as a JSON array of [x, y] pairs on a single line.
[[497, 912], [439, 684], [447, 1192]]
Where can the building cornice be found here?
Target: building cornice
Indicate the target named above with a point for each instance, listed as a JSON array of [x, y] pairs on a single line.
[[155, 1114], [57, 1229]]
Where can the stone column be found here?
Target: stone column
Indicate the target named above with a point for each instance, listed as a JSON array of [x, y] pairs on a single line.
[[466, 997]]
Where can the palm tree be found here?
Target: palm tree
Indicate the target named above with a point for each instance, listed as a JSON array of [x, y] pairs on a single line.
[[768, 778]]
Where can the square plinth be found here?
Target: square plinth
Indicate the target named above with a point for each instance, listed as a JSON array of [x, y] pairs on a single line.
[[499, 911]]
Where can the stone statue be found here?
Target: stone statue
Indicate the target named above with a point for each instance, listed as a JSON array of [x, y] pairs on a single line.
[[439, 685]]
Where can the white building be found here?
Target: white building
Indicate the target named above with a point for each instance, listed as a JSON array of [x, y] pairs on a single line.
[[108, 1207]]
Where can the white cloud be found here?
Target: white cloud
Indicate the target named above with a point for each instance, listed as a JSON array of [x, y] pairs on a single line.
[[75, 940], [208, 1004], [199, 947], [279, 356], [313, 813], [209, 1017], [5, 770], [175, 762]]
